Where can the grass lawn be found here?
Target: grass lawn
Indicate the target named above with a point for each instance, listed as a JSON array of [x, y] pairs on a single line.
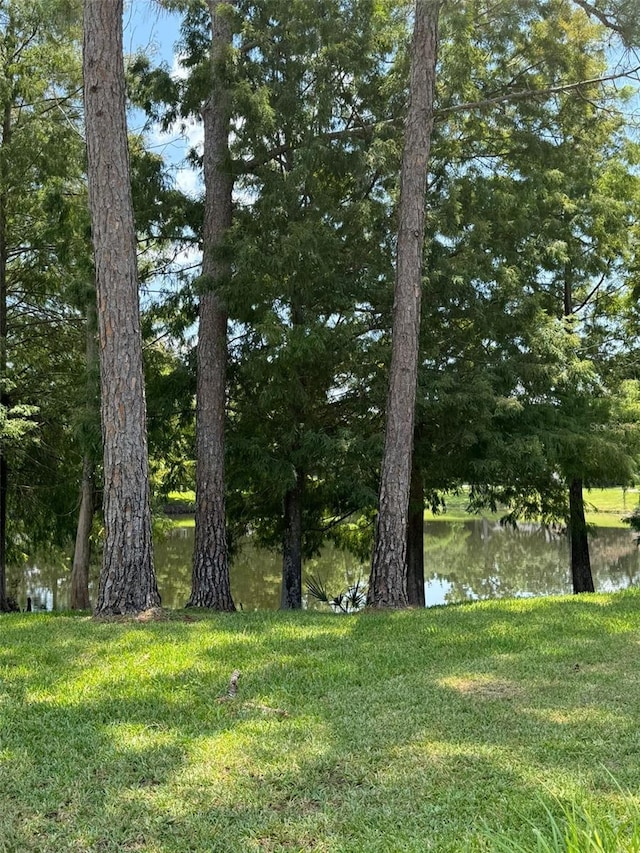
[[449, 729], [604, 507]]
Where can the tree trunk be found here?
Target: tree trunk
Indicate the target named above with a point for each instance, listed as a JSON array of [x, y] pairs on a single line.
[[415, 541], [82, 552], [79, 599], [5, 605], [127, 580], [388, 580], [581, 576], [291, 598], [210, 585]]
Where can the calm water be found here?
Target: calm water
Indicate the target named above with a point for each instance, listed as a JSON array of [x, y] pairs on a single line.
[[463, 561]]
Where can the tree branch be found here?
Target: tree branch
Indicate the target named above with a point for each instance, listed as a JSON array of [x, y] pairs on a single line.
[[595, 289], [252, 164], [591, 10], [363, 130], [536, 93]]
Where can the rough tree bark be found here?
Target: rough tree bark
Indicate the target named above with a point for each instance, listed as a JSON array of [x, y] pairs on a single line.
[[127, 579], [210, 584], [388, 579]]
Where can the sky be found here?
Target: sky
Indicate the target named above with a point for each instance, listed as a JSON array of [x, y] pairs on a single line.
[[155, 31], [148, 26], [152, 29]]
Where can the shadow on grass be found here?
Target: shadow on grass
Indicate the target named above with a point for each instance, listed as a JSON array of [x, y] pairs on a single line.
[[402, 731]]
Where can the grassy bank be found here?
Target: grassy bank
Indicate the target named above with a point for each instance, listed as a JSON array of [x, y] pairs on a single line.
[[604, 507], [452, 729]]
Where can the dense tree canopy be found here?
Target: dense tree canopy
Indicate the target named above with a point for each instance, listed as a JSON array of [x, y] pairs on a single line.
[[267, 297]]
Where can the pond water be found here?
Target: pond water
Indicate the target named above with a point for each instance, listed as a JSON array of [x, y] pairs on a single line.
[[466, 560]]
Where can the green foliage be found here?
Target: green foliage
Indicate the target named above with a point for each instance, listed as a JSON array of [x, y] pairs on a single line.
[[530, 220], [153, 90], [349, 601], [514, 397], [308, 262], [170, 390], [530, 318], [16, 425], [45, 264]]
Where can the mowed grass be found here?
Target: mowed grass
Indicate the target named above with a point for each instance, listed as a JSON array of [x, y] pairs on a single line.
[[425, 730], [604, 507]]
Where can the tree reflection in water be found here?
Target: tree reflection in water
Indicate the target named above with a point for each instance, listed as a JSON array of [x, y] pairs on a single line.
[[479, 559], [464, 560]]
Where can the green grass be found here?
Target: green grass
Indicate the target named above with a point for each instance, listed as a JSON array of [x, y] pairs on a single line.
[[576, 830], [437, 730], [183, 521], [604, 507], [180, 502]]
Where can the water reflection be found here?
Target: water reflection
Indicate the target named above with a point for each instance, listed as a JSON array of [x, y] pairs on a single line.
[[466, 560], [480, 559]]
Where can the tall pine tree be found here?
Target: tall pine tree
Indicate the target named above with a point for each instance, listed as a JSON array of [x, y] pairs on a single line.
[[127, 579]]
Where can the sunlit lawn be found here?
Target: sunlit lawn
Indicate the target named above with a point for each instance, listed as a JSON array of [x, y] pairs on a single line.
[[411, 731], [604, 507]]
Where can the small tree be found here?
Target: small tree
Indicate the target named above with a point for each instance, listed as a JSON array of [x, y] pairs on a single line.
[[308, 261], [40, 152]]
